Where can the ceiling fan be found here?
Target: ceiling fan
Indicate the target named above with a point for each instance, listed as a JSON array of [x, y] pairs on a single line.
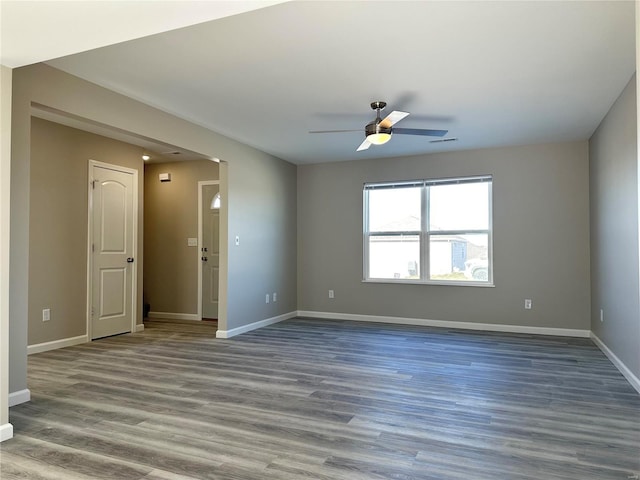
[[379, 131]]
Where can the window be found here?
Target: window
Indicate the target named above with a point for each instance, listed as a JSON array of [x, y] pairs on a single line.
[[429, 231], [215, 202]]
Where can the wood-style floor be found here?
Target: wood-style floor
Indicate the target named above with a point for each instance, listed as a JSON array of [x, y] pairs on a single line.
[[317, 399]]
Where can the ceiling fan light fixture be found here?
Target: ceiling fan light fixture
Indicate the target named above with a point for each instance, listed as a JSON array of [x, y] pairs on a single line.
[[376, 134], [379, 131], [379, 138]]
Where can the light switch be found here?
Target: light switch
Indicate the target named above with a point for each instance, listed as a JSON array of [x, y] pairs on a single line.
[[192, 242]]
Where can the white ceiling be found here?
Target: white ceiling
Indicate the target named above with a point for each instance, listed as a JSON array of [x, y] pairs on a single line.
[[35, 31], [492, 73]]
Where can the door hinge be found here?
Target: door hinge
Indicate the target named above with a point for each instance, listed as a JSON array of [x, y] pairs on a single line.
[[93, 184], [93, 248]]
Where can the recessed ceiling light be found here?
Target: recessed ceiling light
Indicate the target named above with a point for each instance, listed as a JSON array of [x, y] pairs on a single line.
[[145, 157]]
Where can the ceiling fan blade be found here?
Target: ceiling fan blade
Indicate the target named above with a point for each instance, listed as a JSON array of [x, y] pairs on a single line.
[[420, 131], [364, 145], [334, 131], [393, 118]]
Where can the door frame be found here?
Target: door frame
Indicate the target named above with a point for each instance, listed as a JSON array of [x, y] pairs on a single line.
[[201, 184], [134, 273]]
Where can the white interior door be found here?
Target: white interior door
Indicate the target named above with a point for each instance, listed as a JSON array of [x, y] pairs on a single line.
[[210, 250], [112, 262]]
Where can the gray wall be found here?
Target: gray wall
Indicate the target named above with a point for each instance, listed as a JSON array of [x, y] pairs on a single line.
[[263, 214], [170, 217], [260, 190], [541, 238], [58, 208], [614, 230]]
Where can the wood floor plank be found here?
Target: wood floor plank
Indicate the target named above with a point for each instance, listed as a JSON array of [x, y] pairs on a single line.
[[326, 400]]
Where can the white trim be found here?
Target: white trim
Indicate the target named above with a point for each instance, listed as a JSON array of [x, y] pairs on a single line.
[[140, 327], [6, 432], [201, 184], [175, 316], [21, 396], [624, 370], [255, 325], [491, 327], [55, 344], [89, 301], [223, 280], [455, 283], [134, 272]]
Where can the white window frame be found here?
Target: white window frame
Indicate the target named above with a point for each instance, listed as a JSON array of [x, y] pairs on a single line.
[[425, 234]]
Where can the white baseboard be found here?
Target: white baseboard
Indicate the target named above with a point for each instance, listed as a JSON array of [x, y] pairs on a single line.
[[139, 327], [64, 342], [174, 316], [255, 325], [21, 396], [628, 374], [6, 432], [492, 327]]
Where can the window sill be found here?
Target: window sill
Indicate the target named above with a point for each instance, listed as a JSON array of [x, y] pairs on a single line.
[[430, 282]]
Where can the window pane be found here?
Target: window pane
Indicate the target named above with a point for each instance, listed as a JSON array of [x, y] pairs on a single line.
[[215, 202], [394, 209], [459, 207], [459, 257], [396, 256]]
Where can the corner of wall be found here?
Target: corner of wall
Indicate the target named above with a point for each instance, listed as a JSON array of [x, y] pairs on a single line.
[[6, 82]]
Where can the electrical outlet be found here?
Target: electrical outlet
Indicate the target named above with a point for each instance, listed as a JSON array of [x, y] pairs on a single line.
[[601, 315], [266, 298], [46, 315], [331, 294], [527, 304], [275, 297]]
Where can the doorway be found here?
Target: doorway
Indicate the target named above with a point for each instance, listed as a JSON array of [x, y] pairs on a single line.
[[112, 249], [209, 201]]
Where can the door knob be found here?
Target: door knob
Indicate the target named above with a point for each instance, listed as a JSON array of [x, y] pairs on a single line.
[[130, 260]]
